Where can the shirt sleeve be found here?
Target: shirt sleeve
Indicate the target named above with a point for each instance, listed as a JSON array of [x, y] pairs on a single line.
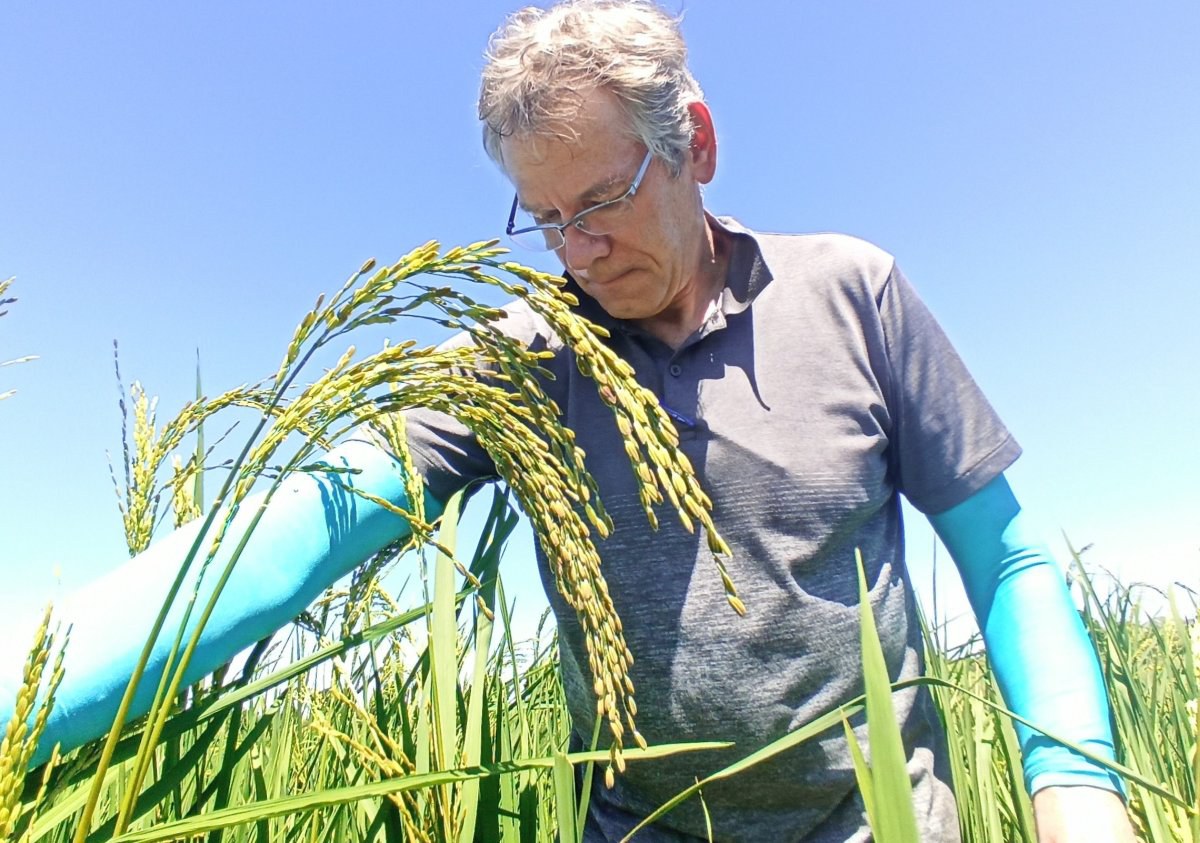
[[445, 452], [947, 442]]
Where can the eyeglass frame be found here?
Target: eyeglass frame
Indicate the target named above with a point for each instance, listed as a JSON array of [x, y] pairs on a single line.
[[561, 228]]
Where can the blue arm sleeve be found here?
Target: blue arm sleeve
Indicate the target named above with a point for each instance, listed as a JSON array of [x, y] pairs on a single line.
[[1042, 658], [313, 532]]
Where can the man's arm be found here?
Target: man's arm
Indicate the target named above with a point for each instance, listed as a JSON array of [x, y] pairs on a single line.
[[1044, 663], [312, 533]]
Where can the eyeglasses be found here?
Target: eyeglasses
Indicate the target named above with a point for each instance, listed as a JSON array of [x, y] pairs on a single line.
[[603, 218]]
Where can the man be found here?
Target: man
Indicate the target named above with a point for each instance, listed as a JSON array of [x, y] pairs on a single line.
[[810, 388]]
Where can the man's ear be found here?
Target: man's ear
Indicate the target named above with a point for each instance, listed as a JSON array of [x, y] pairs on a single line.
[[703, 149]]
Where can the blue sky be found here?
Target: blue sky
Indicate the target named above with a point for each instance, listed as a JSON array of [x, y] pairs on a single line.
[[183, 176]]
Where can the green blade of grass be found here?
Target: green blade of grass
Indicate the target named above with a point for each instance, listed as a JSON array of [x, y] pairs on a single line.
[[443, 663], [564, 798], [443, 641], [443, 647], [485, 566], [527, 803], [1016, 781], [589, 771], [889, 774], [862, 774]]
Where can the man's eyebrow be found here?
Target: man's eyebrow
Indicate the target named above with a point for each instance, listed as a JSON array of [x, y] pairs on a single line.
[[603, 190]]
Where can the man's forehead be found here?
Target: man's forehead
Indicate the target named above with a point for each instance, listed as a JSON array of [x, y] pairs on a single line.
[[584, 150], [546, 170]]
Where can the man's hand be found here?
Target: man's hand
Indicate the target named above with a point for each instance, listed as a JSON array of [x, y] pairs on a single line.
[[1081, 815]]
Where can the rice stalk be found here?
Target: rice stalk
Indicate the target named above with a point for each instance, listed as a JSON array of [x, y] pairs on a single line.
[[505, 408], [140, 499], [1193, 708], [4, 285], [246, 468], [1145, 660], [985, 759], [241, 775], [184, 480], [39, 798], [7, 300], [187, 480], [20, 738], [477, 731], [1148, 665], [537, 439], [564, 799]]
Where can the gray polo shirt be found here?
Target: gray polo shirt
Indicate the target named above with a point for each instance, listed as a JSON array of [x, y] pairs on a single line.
[[816, 393]]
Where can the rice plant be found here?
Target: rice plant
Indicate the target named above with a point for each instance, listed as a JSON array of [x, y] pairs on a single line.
[[1149, 664], [5, 301], [20, 738], [189, 753], [417, 715]]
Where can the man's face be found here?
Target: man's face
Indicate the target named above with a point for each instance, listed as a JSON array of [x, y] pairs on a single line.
[[650, 265]]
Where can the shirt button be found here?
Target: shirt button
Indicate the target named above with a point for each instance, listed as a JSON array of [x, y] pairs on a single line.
[[676, 370]]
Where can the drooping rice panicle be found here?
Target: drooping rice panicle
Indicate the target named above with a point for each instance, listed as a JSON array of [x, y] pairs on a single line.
[[492, 387], [183, 495], [513, 420]]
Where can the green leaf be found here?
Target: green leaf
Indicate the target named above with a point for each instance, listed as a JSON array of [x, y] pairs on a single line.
[[198, 487], [443, 642], [862, 773], [564, 798], [485, 565], [897, 822]]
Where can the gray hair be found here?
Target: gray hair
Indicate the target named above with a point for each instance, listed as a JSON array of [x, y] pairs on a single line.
[[541, 61]]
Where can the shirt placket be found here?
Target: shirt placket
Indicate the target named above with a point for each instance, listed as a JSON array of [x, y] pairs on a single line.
[[681, 382]]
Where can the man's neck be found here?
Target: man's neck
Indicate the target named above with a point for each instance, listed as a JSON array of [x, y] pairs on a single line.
[[675, 325]]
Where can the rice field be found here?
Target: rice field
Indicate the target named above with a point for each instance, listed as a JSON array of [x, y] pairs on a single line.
[[419, 715]]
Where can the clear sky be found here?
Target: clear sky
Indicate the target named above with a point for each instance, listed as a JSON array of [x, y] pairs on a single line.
[[183, 176]]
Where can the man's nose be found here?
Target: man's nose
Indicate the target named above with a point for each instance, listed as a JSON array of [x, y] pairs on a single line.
[[580, 249]]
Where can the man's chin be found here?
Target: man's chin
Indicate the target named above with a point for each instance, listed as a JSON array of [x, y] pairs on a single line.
[[613, 295], [619, 308]]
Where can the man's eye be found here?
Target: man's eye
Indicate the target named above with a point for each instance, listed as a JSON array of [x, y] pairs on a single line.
[[600, 208], [526, 218]]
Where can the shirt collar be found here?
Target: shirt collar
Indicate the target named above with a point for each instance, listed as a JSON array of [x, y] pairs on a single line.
[[748, 273]]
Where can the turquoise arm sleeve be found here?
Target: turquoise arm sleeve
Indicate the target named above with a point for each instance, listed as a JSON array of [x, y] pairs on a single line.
[[1042, 658], [313, 532]]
